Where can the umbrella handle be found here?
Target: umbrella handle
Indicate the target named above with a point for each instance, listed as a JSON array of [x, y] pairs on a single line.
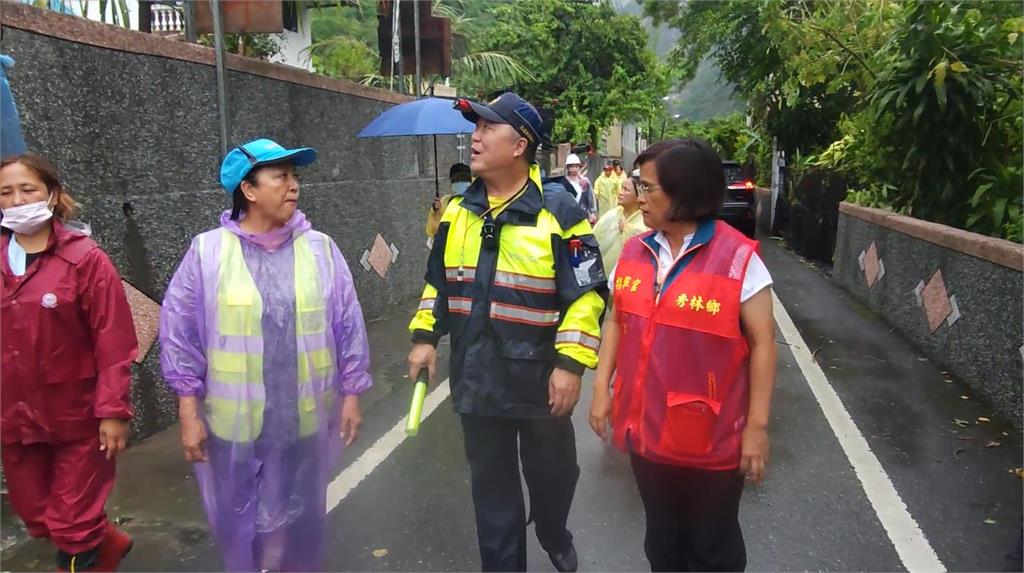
[[437, 185]]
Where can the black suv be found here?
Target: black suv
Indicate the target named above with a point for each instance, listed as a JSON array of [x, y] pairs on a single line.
[[738, 209]]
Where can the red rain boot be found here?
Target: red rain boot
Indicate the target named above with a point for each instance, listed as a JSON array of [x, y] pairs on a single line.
[[116, 545]]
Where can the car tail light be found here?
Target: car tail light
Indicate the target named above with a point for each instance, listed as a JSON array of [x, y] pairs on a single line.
[[743, 186]]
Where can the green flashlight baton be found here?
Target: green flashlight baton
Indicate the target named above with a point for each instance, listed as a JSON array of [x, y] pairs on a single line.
[[419, 394]]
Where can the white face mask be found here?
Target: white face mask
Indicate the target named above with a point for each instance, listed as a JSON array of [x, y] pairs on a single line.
[[28, 218]]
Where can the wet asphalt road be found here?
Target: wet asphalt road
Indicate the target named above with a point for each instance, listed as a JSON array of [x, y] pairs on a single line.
[[414, 513], [812, 512]]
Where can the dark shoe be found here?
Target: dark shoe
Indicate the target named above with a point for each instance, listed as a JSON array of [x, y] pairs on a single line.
[[83, 561], [566, 560]]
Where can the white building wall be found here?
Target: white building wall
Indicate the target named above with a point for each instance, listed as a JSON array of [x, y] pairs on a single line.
[[292, 43], [92, 11]]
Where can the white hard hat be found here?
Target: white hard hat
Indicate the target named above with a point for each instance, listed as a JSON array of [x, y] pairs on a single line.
[[573, 159]]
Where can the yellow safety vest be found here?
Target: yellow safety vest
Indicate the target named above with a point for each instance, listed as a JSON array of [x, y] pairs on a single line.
[[235, 358]]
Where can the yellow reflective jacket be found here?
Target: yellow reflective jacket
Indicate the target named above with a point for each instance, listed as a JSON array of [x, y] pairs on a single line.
[[518, 306]]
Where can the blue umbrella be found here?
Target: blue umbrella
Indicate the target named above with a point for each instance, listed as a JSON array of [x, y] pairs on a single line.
[[428, 116], [11, 140]]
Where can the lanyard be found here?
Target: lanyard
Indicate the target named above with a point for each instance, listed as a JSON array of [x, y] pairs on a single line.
[[469, 225]]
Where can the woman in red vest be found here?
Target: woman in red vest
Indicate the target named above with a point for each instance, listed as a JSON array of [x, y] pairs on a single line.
[[691, 346]]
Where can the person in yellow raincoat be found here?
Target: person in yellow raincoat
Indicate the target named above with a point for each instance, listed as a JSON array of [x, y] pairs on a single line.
[[618, 172], [619, 224], [606, 188], [460, 177]]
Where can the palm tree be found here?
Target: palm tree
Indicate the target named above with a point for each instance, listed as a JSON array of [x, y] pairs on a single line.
[[493, 69], [349, 58]]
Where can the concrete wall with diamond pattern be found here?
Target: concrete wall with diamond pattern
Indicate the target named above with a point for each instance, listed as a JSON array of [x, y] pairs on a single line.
[[956, 295], [131, 120]]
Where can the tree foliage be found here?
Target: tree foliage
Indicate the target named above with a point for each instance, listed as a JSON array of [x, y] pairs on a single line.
[[581, 59], [917, 103], [345, 46], [731, 138], [591, 65]]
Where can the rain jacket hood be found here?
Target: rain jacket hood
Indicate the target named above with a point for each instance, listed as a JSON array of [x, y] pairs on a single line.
[[271, 240]]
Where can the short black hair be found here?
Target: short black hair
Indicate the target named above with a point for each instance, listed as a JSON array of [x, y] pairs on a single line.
[[616, 163], [239, 204], [652, 152], [690, 173], [459, 170], [531, 154]]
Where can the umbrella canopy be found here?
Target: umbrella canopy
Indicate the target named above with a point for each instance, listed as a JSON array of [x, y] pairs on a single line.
[[427, 116], [11, 140]]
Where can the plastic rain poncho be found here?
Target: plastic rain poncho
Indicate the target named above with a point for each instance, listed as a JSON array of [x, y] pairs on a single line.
[[612, 230], [606, 189], [271, 457], [11, 140]]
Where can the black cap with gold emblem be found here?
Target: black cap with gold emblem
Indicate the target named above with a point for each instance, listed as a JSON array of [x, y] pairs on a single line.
[[507, 108]]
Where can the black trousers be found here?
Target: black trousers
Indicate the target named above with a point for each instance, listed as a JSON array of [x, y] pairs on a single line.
[[494, 448], [692, 517]]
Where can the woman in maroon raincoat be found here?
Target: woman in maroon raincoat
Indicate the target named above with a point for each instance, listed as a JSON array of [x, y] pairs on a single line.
[[67, 347]]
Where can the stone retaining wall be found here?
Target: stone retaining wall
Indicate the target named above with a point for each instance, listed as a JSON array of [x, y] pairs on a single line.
[[957, 295]]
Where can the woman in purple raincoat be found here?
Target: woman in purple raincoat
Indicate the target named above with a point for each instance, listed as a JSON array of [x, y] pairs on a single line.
[[264, 343]]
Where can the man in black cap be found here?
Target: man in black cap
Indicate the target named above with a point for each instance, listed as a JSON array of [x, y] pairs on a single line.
[[515, 276]]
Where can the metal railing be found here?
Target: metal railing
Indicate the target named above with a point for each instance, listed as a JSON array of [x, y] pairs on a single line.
[[166, 19]]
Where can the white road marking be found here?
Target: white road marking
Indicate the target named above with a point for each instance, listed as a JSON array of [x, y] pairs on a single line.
[[348, 479], [913, 548], [911, 545]]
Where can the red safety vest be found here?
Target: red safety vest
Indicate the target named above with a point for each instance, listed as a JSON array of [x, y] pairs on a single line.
[[682, 385]]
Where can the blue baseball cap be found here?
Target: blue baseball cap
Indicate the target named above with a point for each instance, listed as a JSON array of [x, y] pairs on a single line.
[[244, 158], [507, 108]]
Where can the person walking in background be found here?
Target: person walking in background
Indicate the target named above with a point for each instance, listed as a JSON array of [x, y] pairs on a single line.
[[459, 176], [515, 277], [606, 190], [264, 343], [581, 188], [619, 224], [691, 345], [618, 172], [68, 347]]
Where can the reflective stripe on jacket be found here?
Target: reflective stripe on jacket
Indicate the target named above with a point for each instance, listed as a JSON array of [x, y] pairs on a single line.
[[518, 310], [235, 397]]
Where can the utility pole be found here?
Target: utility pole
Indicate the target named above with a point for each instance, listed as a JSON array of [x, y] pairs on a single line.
[[416, 35], [189, 14], [398, 42], [222, 91]]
